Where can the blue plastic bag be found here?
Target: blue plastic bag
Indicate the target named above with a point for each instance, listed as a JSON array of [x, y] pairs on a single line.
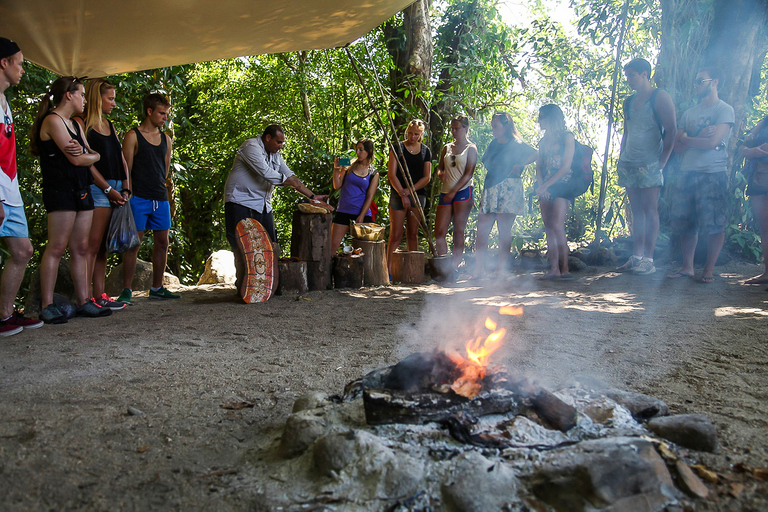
[[122, 234]]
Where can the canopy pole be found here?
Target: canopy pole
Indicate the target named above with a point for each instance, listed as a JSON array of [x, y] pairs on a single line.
[[604, 175], [403, 169]]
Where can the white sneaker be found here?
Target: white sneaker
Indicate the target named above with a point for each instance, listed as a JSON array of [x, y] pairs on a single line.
[[629, 265], [644, 268]]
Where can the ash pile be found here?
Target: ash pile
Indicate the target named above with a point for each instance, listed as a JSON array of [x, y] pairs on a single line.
[[437, 432]]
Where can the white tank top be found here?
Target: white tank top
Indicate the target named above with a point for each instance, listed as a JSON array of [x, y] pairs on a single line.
[[453, 167]]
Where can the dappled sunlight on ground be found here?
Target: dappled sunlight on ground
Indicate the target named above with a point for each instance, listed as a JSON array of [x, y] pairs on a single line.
[[737, 312], [618, 302]]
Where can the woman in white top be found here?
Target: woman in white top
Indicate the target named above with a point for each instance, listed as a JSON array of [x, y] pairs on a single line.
[[455, 169]]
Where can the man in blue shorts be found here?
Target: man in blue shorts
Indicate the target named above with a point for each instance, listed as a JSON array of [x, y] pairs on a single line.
[[701, 199], [13, 222], [147, 151]]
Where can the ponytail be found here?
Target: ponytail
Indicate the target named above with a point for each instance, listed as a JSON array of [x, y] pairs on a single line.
[[49, 101]]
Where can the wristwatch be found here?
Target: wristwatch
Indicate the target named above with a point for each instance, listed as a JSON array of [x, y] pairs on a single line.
[[107, 190]]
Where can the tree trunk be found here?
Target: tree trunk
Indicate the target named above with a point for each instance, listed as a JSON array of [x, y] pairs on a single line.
[[374, 261], [408, 267]]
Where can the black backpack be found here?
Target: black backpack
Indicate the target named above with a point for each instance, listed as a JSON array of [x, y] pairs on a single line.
[[581, 167], [652, 99]]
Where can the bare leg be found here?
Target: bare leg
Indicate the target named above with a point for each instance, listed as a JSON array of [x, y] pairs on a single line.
[[504, 224], [21, 251], [442, 221], [396, 220], [714, 245], [760, 209], [78, 255], [60, 226], [412, 230], [637, 207], [650, 204], [159, 257], [129, 263], [461, 213], [688, 246], [559, 212], [484, 226], [548, 216], [97, 254], [337, 235]]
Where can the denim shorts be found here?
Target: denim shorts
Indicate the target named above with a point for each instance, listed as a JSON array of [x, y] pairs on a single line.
[[700, 202], [462, 196], [15, 222], [396, 203], [149, 214], [100, 199]]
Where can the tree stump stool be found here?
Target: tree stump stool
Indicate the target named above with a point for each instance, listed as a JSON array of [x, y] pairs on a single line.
[[311, 242], [374, 261], [408, 267], [348, 271], [293, 277]]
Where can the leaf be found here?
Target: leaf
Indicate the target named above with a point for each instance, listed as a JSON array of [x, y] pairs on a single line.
[[690, 481], [705, 473], [143, 448]]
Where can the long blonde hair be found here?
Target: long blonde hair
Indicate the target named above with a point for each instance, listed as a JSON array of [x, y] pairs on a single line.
[[94, 90]]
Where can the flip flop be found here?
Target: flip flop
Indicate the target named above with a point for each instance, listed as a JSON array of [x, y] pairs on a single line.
[[548, 277], [566, 277], [678, 275], [707, 280]]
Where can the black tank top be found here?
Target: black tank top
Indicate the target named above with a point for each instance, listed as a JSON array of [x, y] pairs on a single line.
[[111, 163], [148, 172], [58, 172]]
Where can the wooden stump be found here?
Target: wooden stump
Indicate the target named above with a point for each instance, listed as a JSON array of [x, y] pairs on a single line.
[[293, 277], [374, 261], [348, 271], [310, 242], [408, 267]]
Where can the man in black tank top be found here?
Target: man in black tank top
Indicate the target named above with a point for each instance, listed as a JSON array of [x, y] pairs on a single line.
[[147, 152]]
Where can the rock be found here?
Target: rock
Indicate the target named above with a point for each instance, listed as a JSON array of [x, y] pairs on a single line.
[[310, 401], [300, 431], [142, 279], [134, 411], [219, 268], [600, 410], [476, 484], [65, 287], [641, 406], [617, 474], [576, 264], [374, 470], [690, 482], [693, 431]]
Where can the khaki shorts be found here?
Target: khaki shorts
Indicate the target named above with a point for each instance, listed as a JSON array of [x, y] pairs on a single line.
[[646, 176]]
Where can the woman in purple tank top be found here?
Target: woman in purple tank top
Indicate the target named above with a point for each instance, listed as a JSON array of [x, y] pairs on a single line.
[[358, 184]]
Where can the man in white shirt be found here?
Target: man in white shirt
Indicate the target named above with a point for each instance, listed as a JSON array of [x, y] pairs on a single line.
[[257, 170], [13, 221]]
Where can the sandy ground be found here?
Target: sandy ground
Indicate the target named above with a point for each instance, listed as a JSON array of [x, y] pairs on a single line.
[[68, 443]]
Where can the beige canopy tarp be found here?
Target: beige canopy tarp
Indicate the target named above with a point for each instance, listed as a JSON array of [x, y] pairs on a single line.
[[103, 37]]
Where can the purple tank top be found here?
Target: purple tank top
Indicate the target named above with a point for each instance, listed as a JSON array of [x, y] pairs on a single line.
[[353, 192]]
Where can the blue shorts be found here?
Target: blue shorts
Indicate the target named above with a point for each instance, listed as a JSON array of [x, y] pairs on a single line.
[[15, 223], [149, 214], [100, 199], [462, 196]]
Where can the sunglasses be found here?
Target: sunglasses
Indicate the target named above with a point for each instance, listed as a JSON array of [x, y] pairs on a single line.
[[453, 160], [8, 127], [700, 81]]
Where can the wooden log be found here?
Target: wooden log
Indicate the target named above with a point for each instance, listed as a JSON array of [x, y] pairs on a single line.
[[383, 407], [547, 406], [348, 271], [311, 242], [374, 261], [292, 277], [408, 267]]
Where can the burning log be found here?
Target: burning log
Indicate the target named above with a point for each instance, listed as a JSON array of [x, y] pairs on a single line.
[[554, 411], [384, 407]]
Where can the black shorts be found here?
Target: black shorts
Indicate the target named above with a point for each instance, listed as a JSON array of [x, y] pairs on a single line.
[[345, 219], [396, 203], [67, 200], [234, 213]]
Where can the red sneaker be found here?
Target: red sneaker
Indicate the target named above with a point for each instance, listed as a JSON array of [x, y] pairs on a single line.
[[7, 329], [19, 320]]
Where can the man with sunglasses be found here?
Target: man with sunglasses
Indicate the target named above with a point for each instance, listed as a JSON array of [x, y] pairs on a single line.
[[13, 222], [701, 201]]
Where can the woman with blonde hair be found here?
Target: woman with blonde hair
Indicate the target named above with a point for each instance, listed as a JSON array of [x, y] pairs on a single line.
[[553, 170], [417, 157], [65, 162], [455, 169], [358, 184], [111, 185]]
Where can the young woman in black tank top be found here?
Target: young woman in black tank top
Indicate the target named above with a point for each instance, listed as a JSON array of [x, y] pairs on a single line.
[[65, 160], [111, 187]]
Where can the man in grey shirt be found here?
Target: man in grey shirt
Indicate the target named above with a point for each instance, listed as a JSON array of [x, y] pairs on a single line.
[[701, 198], [257, 170], [649, 134]]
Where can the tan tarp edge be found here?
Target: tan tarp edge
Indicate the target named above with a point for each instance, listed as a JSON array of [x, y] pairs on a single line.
[[103, 37]]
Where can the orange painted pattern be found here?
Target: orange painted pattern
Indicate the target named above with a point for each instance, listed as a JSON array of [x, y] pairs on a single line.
[[261, 272]]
